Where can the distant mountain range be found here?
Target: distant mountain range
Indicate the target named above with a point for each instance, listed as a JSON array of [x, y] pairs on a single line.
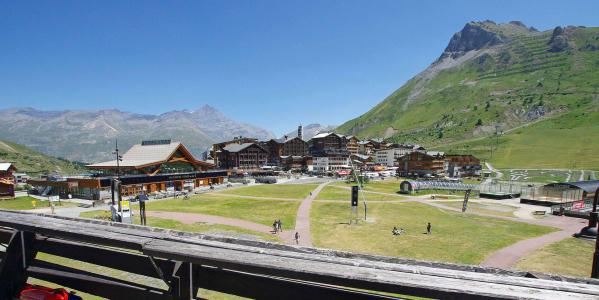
[[311, 130], [538, 90], [89, 135]]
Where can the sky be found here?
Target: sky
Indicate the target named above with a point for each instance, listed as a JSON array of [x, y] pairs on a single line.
[[274, 64]]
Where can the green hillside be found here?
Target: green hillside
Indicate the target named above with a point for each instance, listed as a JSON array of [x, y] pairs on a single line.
[[33, 162], [545, 84]]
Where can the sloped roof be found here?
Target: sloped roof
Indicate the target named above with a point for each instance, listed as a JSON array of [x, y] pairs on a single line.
[[142, 155], [239, 147], [589, 186], [7, 166]]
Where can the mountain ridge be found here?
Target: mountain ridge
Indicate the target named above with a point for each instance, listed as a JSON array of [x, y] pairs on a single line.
[[89, 135], [490, 77]]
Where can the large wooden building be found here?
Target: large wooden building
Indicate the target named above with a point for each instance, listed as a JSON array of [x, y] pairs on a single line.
[[151, 158], [295, 147], [422, 164], [7, 181], [149, 167], [247, 156], [218, 148]]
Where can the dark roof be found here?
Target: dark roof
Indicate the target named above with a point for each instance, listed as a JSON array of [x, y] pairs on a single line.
[[239, 147], [589, 186]]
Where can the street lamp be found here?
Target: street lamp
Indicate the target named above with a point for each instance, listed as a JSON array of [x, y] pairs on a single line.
[[590, 231]]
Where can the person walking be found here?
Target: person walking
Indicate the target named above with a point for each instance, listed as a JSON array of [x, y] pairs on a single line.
[[142, 208], [280, 225], [428, 228], [275, 226], [297, 236]]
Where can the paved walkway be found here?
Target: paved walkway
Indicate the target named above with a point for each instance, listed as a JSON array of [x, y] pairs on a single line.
[[509, 256], [302, 220]]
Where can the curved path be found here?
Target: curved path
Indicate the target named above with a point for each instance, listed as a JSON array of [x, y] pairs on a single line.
[[302, 220], [508, 256], [190, 218]]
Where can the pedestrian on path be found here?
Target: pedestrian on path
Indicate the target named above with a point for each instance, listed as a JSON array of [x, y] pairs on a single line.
[[280, 225], [275, 226], [297, 236], [428, 228]]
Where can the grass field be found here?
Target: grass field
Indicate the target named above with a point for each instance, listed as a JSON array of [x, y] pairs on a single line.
[[255, 210], [389, 185], [337, 192], [571, 256], [456, 238], [25, 203], [224, 230], [293, 191], [483, 208]]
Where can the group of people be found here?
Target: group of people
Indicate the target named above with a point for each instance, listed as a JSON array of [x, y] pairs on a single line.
[[396, 231], [401, 231], [277, 226]]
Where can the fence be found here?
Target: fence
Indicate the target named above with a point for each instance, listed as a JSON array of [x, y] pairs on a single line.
[[186, 262]]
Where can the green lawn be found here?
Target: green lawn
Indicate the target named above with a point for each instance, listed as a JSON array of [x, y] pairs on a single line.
[[255, 210], [389, 185], [484, 208], [25, 203], [293, 191], [219, 229], [456, 238], [571, 256], [336, 192]]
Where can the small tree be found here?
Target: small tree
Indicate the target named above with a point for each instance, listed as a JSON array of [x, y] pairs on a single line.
[[479, 122]]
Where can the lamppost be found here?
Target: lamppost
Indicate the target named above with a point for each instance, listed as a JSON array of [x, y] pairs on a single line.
[[590, 231]]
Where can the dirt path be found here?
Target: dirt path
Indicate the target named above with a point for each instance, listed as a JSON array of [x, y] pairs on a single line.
[[508, 256], [302, 220], [190, 218]]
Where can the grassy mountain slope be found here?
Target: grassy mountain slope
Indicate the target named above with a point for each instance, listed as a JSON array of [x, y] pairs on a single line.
[[33, 162], [527, 80]]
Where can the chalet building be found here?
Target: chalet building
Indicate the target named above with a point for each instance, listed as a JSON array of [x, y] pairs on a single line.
[[149, 167], [422, 164], [274, 147], [295, 163], [325, 144], [389, 154], [353, 146], [247, 156], [295, 147], [7, 181], [217, 148], [463, 165]]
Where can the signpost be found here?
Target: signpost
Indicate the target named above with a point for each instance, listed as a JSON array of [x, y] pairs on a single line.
[[354, 204], [466, 196]]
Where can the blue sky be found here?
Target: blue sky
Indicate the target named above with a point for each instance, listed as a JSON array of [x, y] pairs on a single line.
[[270, 63]]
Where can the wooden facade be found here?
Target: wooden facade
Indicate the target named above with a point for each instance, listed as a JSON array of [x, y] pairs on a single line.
[[7, 180], [295, 147], [420, 164], [325, 144], [247, 156], [353, 146]]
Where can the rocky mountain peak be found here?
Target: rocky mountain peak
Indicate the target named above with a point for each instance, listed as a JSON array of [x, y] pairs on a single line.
[[559, 39], [474, 36]]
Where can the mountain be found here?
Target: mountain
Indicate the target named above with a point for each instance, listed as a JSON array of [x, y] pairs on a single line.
[[311, 130], [33, 162], [534, 89], [89, 135]]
